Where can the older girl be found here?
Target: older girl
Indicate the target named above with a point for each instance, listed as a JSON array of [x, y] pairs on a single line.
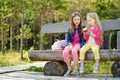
[[75, 41]]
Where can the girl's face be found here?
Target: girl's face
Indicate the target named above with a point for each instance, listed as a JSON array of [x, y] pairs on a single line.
[[90, 21], [76, 20]]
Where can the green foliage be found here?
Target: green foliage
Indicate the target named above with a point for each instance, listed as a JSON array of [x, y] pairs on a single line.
[[114, 40], [12, 59], [34, 68], [108, 9]]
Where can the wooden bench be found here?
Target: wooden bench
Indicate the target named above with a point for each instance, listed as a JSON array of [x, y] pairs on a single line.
[[56, 59], [56, 65]]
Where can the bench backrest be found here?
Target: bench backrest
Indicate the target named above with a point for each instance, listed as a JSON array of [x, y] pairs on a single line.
[[106, 24]]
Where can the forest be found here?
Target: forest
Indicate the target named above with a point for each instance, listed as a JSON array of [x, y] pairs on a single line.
[[22, 20]]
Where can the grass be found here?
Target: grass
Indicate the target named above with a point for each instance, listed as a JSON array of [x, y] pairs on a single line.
[[34, 68], [11, 59], [105, 67]]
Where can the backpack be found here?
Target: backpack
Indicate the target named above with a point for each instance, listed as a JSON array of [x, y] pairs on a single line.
[[59, 45]]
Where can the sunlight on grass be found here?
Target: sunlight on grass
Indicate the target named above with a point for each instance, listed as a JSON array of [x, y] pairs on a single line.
[[105, 67], [11, 59]]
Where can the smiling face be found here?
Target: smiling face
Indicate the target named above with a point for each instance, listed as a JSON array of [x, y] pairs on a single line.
[[90, 21], [76, 20]]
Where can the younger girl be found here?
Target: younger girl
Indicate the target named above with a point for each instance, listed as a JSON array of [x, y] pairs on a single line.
[[75, 41], [92, 36]]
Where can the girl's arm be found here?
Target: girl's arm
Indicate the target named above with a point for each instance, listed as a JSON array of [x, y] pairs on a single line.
[[86, 33], [86, 36], [97, 33], [81, 41], [69, 39]]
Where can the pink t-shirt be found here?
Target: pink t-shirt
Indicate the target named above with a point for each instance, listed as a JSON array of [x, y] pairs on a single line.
[[76, 38]]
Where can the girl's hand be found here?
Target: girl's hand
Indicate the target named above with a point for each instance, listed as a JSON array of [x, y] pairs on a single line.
[[85, 30], [70, 45], [92, 34]]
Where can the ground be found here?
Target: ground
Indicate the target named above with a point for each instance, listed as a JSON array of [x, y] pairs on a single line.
[[16, 73]]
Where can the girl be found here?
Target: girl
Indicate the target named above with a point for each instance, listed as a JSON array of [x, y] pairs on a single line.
[[75, 41], [92, 36]]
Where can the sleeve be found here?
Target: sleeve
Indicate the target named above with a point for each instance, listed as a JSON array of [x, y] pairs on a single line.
[[98, 33], [68, 36], [82, 41], [86, 36]]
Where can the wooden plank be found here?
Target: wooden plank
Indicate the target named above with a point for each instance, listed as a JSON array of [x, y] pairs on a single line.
[[49, 55], [118, 40], [55, 27], [62, 27]]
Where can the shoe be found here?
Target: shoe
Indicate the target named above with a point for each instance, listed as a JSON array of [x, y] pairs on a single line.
[[77, 73], [96, 69], [81, 69], [67, 73]]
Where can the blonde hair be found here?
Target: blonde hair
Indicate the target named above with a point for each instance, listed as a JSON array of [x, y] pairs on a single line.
[[96, 18], [97, 21]]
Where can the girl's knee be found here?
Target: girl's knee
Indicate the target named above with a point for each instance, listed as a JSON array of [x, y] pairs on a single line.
[[66, 51], [74, 51], [96, 48], [82, 50]]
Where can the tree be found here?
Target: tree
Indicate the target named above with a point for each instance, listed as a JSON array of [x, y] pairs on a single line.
[[108, 9], [5, 13]]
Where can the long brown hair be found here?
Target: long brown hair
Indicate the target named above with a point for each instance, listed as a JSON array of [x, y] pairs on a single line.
[[73, 25]]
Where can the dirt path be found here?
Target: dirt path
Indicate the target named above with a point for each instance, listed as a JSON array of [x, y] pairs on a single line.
[[22, 75]]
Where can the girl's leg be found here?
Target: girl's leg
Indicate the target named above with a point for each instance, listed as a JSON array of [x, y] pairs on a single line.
[[83, 51], [96, 66], [66, 56], [95, 49], [75, 51]]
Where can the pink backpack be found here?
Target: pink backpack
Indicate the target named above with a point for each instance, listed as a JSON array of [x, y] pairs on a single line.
[[59, 45]]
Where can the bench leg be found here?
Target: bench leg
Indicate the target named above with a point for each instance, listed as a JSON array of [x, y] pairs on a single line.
[[116, 69], [55, 68]]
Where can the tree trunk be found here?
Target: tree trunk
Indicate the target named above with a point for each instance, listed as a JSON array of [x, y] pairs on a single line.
[[22, 26], [3, 42], [49, 55], [55, 68], [41, 23], [11, 36], [116, 69]]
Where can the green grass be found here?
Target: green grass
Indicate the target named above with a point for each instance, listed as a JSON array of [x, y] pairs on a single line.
[[14, 58], [34, 68], [105, 67]]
